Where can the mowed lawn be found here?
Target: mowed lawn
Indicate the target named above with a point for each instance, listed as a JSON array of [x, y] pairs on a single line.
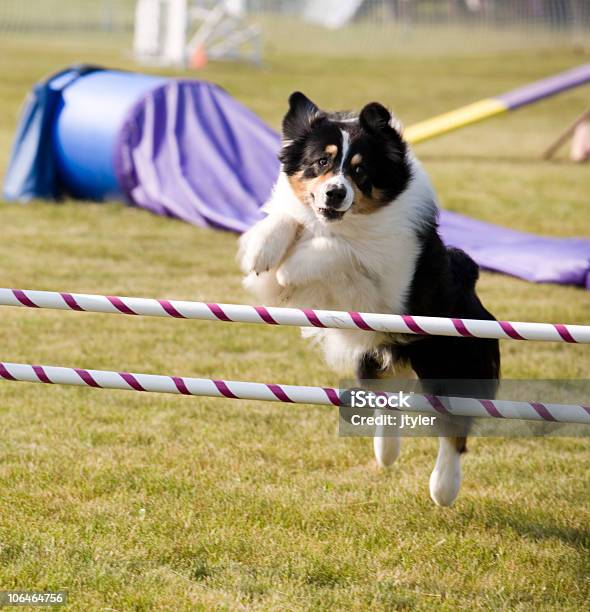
[[151, 502]]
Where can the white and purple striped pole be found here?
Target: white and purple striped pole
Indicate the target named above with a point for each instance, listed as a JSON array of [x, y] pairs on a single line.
[[389, 323], [291, 394]]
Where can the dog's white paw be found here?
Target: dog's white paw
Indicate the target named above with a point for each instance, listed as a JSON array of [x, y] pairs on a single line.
[[263, 247], [264, 287], [300, 267], [444, 487], [284, 276], [261, 257], [386, 450], [445, 480]]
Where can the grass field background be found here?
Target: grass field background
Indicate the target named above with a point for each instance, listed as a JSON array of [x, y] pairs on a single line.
[[137, 502]]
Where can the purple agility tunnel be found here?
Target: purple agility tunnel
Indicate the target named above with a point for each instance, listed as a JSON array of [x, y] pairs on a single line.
[[179, 148]]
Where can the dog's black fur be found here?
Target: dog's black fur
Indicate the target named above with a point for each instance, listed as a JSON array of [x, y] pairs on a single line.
[[444, 286]]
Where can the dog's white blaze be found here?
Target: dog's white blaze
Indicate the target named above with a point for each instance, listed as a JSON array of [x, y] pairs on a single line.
[[339, 180], [345, 148]]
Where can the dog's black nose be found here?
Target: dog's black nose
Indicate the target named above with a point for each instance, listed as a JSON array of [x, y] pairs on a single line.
[[335, 195]]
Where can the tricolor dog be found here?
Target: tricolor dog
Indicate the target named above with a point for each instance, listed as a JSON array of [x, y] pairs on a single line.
[[352, 225]]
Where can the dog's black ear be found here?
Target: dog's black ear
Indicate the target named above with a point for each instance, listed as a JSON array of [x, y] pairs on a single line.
[[375, 118], [301, 113]]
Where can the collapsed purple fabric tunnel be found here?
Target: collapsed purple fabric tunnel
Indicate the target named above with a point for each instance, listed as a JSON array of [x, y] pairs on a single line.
[[539, 259], [191, 151], [179, 148], [187, 149]]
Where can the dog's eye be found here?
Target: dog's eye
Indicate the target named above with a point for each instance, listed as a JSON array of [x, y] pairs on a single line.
[[323, 162], [358, 171]]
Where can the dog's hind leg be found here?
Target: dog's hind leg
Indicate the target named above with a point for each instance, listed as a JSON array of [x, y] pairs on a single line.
[[455, 367], [445, 480], [386, 447]]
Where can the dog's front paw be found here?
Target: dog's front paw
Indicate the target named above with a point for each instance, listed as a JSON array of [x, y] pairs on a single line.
[[259, 257], [264, 246], [293, 272], [299, 268], [284, 277]]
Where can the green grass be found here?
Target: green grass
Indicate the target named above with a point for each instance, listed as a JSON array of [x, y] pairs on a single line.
[[137, 502]]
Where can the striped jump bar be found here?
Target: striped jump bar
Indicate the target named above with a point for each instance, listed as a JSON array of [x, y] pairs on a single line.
[[489, 107], [238, 313], [328, 396]]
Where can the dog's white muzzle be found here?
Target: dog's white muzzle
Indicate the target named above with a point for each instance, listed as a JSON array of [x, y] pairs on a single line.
[[334, 196]]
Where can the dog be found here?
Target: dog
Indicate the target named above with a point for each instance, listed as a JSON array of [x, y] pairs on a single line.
[[352, 225]]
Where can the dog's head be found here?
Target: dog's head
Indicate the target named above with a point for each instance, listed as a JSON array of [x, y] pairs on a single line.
[[337, 163]]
